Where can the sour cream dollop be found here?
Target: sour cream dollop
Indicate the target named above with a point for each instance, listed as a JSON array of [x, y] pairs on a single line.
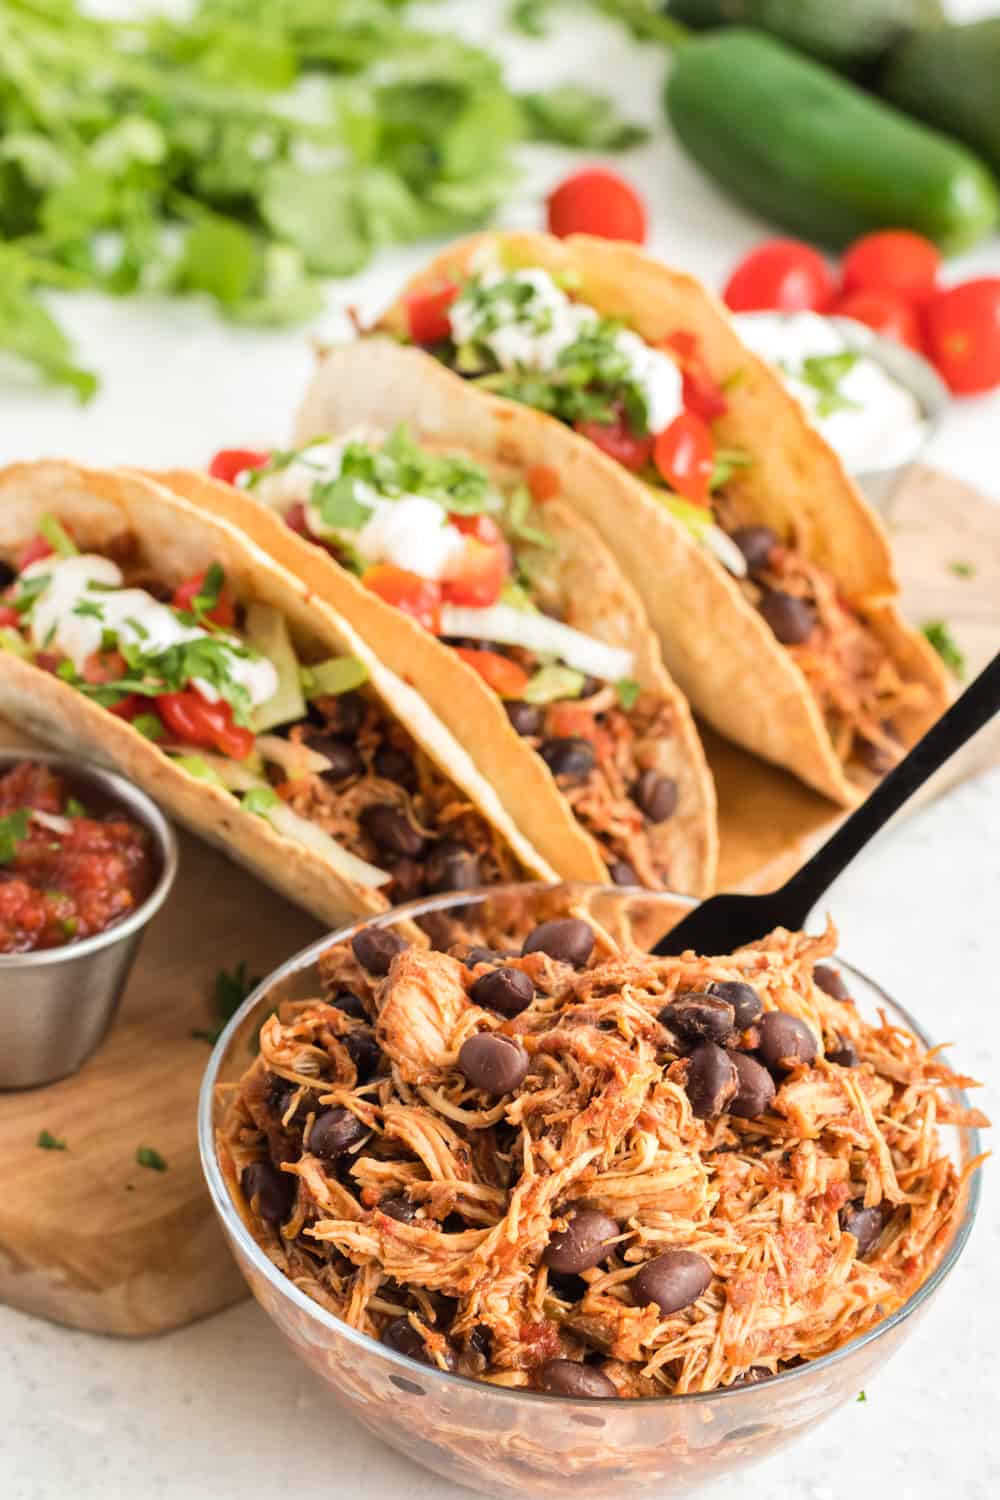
[[531, 332], [874, 423], [70, 615]]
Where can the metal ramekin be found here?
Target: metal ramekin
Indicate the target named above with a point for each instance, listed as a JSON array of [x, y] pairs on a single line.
[[57, 1004]]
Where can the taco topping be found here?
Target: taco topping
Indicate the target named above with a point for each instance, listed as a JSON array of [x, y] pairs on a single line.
[[211, 681], [493, 600], [68, 869], [542, 1161]]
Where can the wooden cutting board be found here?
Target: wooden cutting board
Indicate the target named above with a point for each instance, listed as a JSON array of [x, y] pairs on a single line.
[[90, 1238]]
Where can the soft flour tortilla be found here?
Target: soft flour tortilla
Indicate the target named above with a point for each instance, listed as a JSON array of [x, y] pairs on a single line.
[[716, 645], [179, 540], [379, 383]]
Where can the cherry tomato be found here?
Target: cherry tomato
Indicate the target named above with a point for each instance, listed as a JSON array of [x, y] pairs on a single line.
[[476, 577], [129, 706], [702, 392], [596, 201], [481, 526], [894, 260], [194, 720], [543, 482], [684, 454], [229, 463], [9, 616], [887, 312], [427, 311], [36, 549], [782, 274], [618, 441], [504, 676], [415, 596], [962, 327], [223, 612]]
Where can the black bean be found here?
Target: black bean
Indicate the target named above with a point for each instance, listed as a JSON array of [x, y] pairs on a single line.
[[622, 873], [391, 831], [753, 1376], [453, 1223], [565, 1377], [480, 955], [7, 574], [747, 1004], [571, 757], [376, 947], [585, 1242], [568, 1288], [443, 1308], [700, 1017], [845, 1055], [395, 765], [399, 1208], [711, 1081], [830, 979], [364, 1052], [480, 1342], [755, 1088], [507, 991], [492, 1063], [352, 1005], [672, 1280], [792, 619], [282, 1097], [270, 1189], [785, 1041], [407, 878], [401, 1336], [756, 543], [344, 759], [526, 718], [343, 714], [866, 1224], [656, 796], [334, 1132], [451, 867], [569, 940]]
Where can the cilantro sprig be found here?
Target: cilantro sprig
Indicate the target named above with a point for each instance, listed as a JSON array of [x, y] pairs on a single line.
[[229, 990], [13, 832], [938, 633], [169, 155]]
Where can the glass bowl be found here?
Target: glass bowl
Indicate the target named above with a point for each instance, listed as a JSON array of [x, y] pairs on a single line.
[[511, 1442]]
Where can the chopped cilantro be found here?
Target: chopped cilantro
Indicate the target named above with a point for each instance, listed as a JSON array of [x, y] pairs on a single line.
[[824, 372], [338, 504], [75, 808], [862, 1396], [49, 1142], [147, 1157], [207, 596], [229, 990], [28, 590], [13, 830], [628, 691], [963, 569], [89, 609], [940, 637]]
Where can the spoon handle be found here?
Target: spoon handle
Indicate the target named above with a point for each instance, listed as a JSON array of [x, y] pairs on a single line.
[[975, 707]]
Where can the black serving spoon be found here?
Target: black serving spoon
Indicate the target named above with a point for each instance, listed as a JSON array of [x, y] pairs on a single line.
[[726, 922]]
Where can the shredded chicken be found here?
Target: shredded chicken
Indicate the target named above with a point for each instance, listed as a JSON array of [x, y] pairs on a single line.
[[442, 1208]]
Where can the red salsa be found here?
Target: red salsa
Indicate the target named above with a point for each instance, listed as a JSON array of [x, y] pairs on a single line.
[[69, 868]]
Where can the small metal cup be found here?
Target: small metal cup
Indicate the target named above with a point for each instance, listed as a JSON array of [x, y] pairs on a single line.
[[57, 1004]]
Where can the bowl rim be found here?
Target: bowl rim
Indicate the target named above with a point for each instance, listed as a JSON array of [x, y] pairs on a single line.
[[141, 807], [234, 1226]]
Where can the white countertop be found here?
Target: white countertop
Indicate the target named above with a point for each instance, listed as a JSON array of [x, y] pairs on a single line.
[[224, 1409]]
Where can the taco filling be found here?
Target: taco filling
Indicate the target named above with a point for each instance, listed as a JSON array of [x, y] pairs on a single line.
[[438, 537], [522, 334], [221, 688]]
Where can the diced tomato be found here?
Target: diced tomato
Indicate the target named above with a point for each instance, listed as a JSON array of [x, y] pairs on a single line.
[[963, 334], [296, 519], [128, 707], [887, 312], [191, 718], [619, 442], [229, 463], [684, 454], [9, 616], [223, 612], [415, 596], [892, 260], [36, 549], [481, 526], [703, 394], [476, 577], [571, 721], [427, 311], [104, 666], [504, 676], [782, 274], [543, 482], [596, 201]]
